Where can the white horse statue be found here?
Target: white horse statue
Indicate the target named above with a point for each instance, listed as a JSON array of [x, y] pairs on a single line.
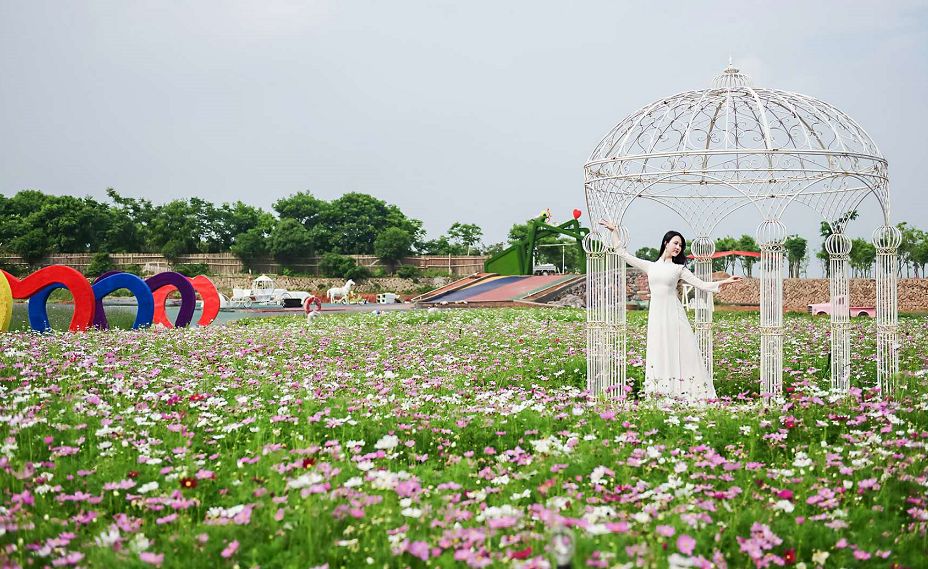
[[340, 292]]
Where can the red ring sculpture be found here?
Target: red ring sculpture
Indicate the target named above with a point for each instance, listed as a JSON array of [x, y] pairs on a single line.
[[71, 279]]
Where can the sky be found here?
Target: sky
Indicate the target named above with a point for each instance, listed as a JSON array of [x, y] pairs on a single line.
[[479, 112]]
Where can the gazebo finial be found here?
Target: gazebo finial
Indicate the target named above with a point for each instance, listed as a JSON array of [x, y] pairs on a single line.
[[731, 78]]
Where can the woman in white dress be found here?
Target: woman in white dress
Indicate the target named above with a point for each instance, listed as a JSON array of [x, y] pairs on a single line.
[[674, 365]]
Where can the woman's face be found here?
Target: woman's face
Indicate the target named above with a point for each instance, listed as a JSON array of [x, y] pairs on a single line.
[[674, 246]]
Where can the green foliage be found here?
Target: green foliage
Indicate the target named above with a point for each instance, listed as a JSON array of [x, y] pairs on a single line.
[[251, 246], [465, 237], [192, 269], [36, 225], [133, 268], [726, 264], [795, 253], [99, 264], [358, 273], [862, 257], [334, 265], [393, 244], [355, 220], [647, 253], [290, 241], [748, 243], [913, 250], [408, 272]]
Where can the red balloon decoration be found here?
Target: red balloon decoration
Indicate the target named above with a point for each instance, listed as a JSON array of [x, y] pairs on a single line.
[[577, 214], [207, 291], [73, 280]]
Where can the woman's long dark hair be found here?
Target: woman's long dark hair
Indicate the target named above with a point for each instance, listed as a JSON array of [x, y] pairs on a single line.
[[679, 259]]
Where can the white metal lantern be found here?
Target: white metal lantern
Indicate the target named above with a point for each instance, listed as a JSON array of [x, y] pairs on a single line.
[[706, 154]]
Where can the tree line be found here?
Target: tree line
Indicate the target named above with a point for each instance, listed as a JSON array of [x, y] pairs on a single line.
[[36, 224]]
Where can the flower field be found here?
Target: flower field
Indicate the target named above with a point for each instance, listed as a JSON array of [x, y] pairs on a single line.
[[456, 438]]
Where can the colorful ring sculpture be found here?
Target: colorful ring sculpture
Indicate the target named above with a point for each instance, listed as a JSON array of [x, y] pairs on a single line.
[[188, 297], [103, 286], [203, 286], [63, 277], [150, 295], [6, 304]]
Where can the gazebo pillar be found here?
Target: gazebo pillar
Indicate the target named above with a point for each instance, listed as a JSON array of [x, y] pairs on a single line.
[[838, 246], [771, 235], [702, 249], [887, 239], [606, 318]]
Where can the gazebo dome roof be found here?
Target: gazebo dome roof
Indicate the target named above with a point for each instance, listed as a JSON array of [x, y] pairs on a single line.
[[734, 115], [708, 153]]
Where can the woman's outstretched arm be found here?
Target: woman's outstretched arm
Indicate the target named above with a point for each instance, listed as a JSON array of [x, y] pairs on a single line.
[[632, 260], [713, 287]]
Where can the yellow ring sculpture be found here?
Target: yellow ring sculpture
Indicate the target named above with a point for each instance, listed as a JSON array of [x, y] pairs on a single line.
[[6, 303]]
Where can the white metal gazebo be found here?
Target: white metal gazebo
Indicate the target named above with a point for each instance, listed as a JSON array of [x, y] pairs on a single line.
[[735, 148]]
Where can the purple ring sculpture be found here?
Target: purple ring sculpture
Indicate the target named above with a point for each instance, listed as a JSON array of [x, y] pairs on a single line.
[[188, 297]]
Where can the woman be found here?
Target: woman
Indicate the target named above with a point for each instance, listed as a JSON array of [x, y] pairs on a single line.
[[674, 365]]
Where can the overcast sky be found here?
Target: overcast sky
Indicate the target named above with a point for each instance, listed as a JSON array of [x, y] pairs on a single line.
[[473, 111]]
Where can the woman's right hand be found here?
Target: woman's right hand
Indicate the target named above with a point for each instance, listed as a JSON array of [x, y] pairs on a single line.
[[607, 224]]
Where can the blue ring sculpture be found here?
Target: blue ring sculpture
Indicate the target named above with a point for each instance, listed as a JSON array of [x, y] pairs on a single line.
[[38, 314]]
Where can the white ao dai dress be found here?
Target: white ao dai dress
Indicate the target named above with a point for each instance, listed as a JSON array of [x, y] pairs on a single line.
[[674, 364]]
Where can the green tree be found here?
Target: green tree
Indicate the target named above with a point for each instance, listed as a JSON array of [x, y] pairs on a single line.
[[354, 221], [439, 246], [290, 241], [647, 253], [795, 253], [392, 245], [231, 220], [748, 243], [133, 231], [251, 246], [100, 263], [862, 257], [464, 236], [726, 264], [177, 228], [301, 206]]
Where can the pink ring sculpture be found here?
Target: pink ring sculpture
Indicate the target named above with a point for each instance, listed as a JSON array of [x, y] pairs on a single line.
[[71, 279], [6, 304], [207, 291]]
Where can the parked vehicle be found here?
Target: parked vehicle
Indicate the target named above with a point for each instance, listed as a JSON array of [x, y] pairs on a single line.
[[546, 269], [825, 308]]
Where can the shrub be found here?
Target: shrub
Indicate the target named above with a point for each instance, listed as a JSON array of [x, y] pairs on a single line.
[[99, 264], [408, 272], [358, 273], [133, 268], [337, 266], [192, 269]]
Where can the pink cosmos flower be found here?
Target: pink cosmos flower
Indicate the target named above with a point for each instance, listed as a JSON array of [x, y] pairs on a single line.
[[419, 549], [230, 549], [686, 544], [155, 559]]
